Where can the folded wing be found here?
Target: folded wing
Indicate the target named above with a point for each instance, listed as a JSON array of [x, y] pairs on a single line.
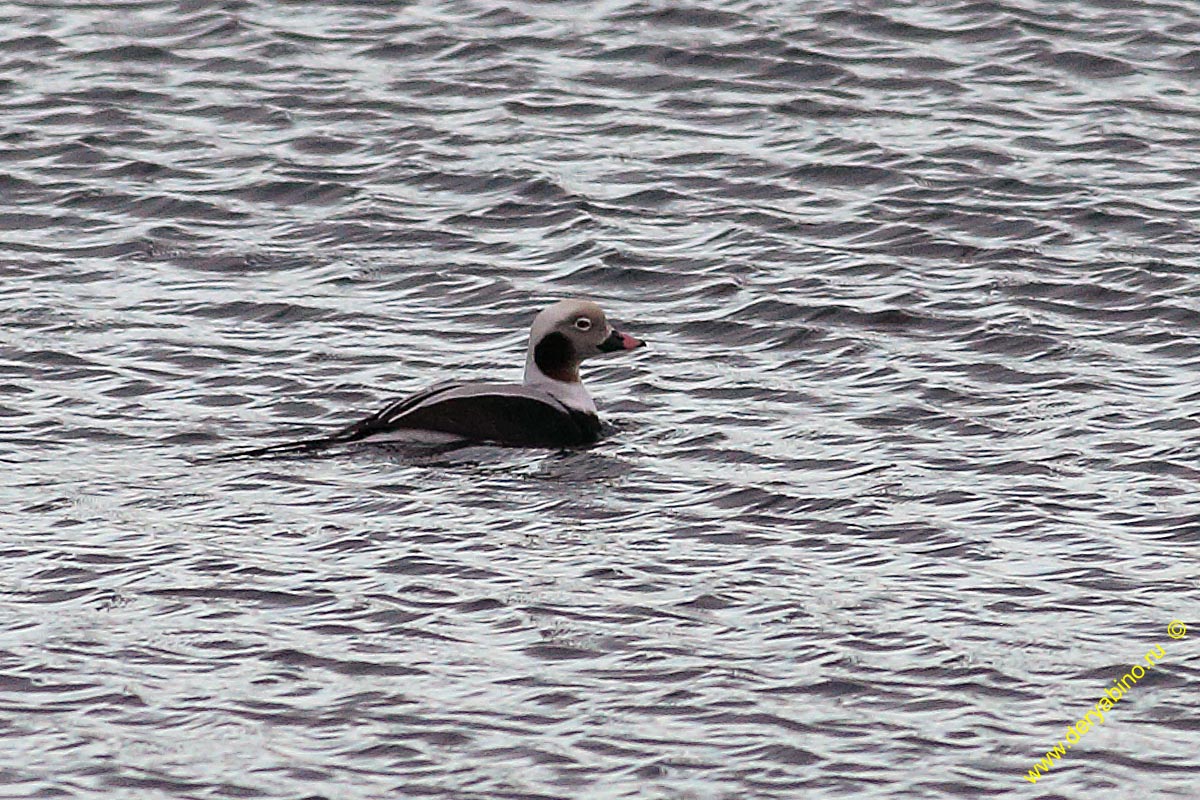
[[501, 413]]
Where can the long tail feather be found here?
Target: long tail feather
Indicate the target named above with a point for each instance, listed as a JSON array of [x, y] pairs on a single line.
[[282, 449], [376, 423], [300, 447]]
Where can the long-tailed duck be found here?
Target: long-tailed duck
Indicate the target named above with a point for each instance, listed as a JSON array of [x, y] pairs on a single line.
[[551, 408]]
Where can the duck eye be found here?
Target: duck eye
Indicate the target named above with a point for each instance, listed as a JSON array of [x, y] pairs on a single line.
[[583, 323]]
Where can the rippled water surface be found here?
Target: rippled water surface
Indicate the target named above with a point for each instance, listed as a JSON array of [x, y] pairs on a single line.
[[905, 480]]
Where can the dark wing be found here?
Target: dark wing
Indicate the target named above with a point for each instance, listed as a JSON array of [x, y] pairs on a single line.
[[501, 413], [385, 420], [511, 415]]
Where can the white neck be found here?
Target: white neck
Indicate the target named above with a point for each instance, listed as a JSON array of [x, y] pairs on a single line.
[[572, 395]]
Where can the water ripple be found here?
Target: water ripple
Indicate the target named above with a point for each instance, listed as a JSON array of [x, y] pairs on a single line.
[[904, 481]]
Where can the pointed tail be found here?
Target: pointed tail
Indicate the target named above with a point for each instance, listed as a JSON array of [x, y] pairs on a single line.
[[376, 423], [301, 447], [283, 449]]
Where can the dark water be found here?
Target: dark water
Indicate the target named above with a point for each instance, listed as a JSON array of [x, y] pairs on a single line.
[[906, 479]]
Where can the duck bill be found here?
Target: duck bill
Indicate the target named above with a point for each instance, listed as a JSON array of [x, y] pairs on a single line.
[[620, 341]]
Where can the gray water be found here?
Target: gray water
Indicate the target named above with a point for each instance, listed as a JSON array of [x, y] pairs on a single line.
[[904, 481]]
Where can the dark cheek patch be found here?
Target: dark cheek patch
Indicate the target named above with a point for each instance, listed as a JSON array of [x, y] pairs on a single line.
[[555, 357]]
